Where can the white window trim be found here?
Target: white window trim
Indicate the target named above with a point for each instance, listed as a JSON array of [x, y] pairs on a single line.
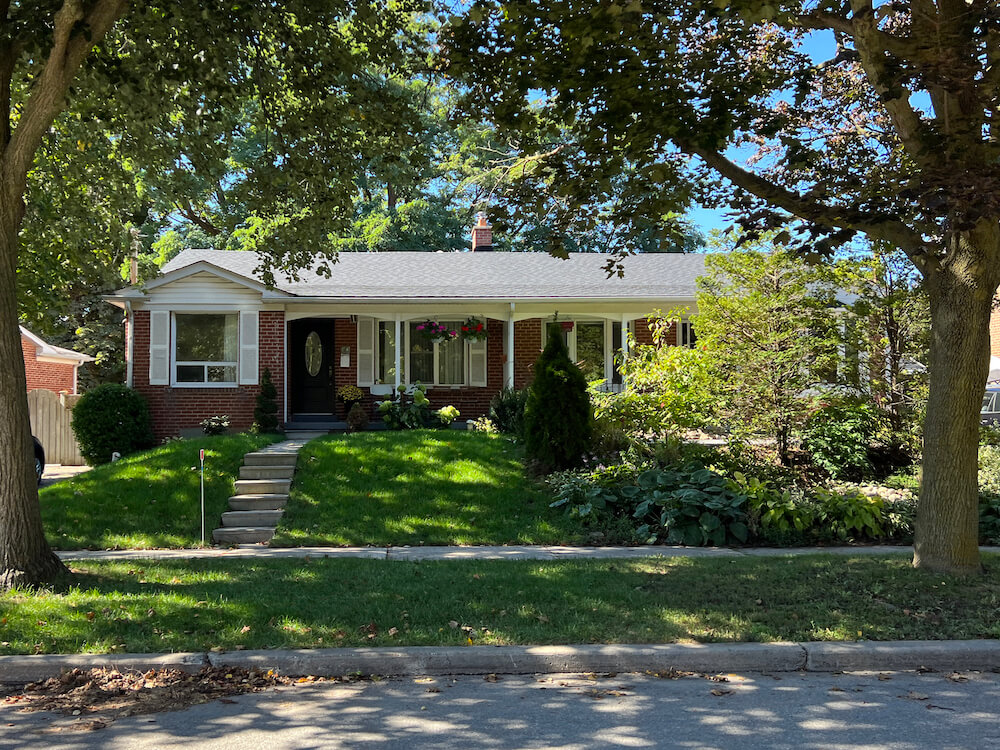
[[175, 363]]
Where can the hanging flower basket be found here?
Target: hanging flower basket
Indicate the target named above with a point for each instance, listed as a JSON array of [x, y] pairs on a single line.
[[474, 330], [436, 332]]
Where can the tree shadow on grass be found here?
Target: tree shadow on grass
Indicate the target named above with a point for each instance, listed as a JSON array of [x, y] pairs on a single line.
[[419, 487], [232, 604]]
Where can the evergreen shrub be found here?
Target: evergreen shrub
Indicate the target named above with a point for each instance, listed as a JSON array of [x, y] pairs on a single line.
[[557, 415], [265, 413]]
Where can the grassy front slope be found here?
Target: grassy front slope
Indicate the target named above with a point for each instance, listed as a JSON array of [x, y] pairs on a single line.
[[149, 499], [417, 487], [143, 606]]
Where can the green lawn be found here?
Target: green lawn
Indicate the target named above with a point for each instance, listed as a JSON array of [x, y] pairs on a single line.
[[417, 487], [149, 499], [141, 606]]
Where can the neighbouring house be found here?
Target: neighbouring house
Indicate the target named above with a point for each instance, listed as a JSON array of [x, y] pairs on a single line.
[[200, 335], [50, 367]]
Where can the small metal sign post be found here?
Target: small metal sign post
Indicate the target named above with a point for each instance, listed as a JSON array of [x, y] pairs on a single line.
[[202, 458]]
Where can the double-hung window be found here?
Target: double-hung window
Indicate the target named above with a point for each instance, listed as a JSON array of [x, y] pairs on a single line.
[[435, 362], [422, 359], [206, 348]]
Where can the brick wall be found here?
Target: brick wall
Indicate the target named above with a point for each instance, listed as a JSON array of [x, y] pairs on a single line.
[[995, 332], [176, 409], [527, 347], [49, 376]]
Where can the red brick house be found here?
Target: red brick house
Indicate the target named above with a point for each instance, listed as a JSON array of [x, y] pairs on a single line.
[[50, 367], [200, 335]]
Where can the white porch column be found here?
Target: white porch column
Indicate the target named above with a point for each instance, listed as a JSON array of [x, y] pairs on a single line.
[[510, 347], [398, 349]]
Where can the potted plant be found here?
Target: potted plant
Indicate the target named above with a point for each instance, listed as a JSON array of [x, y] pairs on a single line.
[[436, 332], [350, 394], [474, 329]]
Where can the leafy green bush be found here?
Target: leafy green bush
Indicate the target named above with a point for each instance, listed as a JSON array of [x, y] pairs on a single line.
[[405, 410], [215, 425], [557, 414], [446, 415], [850, 514], [265, 413], [579, 494], [695, 506], [989, 519], [507, 411], [838, 436], [357, 417], [111, 418], [670, 388]]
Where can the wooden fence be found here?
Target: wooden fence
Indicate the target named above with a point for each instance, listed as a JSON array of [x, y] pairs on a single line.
[[50, 423]]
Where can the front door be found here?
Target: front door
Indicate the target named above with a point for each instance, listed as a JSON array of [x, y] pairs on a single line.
[[310, 352]]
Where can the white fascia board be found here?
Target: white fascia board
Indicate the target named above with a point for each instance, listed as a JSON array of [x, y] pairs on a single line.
[[46, 352]]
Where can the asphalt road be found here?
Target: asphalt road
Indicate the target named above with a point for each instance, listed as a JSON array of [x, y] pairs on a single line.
[[790, 710]]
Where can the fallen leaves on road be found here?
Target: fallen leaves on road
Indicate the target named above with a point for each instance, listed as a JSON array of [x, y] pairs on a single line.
[[111, 694]]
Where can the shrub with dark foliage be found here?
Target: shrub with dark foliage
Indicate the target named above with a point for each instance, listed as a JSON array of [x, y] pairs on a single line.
[[557, 416], [265, 414], [507, 411], [111, 418]]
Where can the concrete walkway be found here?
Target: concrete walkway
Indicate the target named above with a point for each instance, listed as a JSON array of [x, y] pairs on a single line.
[[524, 552]]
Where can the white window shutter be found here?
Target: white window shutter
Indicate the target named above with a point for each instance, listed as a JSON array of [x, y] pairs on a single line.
[[159, 347], [249, 347], [477, 363], [366, 351]]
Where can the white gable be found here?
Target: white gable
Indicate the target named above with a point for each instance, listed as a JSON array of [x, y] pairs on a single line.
[[203, 288]]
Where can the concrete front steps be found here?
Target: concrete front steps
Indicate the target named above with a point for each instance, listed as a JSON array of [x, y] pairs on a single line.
[[261, 495]]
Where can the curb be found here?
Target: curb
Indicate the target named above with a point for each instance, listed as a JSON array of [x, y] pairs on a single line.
[[819, 657], [18, 669]]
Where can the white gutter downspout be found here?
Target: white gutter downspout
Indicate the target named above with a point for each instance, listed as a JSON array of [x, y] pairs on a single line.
[[510, 347], [129, 346]]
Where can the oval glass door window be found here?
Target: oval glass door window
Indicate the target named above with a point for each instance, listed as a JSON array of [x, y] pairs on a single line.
[[314, 354]]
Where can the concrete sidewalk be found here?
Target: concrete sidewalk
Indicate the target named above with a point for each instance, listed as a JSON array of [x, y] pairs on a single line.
[[524, 552], [982, 655]]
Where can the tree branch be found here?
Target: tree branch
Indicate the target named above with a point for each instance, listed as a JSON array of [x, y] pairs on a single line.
[[889, 229], [895, 98], [75, 32], [187, 211]]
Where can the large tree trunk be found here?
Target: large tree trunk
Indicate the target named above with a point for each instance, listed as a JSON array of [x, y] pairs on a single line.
[[25, 556], [947, 527]]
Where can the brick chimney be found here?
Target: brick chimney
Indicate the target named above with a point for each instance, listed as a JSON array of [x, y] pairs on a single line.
[[482, 235]]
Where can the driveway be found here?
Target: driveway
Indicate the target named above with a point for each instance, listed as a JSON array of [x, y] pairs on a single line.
[[57, 472]]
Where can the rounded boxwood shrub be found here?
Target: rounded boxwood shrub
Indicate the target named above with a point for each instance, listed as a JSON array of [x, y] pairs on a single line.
[[111, 418], [558, 416]]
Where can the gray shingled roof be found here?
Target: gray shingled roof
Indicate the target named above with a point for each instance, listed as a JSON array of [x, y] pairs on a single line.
[[475, 275]]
